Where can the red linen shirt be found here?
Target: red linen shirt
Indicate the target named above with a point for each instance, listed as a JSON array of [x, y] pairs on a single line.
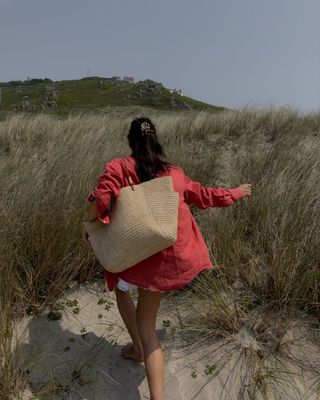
[[175, 266]]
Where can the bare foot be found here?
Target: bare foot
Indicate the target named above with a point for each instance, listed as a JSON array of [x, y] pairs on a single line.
[[128, 351]]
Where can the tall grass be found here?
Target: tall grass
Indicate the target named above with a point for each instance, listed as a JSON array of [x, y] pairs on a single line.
[[266, 247]]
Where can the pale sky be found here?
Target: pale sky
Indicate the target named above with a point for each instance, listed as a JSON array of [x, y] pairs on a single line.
[[228, 53]]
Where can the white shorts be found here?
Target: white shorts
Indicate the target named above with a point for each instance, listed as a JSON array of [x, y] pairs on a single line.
[[125, 286]]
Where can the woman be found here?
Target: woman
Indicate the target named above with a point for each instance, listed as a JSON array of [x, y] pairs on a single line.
[[167, 270]]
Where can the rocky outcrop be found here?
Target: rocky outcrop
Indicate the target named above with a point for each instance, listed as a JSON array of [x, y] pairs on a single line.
[[27, 105], [148, 84], [31, 105], [46, 103]]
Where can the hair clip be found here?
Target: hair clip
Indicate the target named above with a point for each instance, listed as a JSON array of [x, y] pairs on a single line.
[[145, 126]]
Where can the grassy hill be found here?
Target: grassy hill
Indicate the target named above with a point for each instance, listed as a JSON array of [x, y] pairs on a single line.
[[92, 93]]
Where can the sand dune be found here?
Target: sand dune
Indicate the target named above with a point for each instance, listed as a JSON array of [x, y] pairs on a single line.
[[78, 357]]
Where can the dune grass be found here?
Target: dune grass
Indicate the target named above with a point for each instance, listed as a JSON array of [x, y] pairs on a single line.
[[265, 248]]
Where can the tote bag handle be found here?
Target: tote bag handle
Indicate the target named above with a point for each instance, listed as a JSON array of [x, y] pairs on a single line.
[[128, 175]]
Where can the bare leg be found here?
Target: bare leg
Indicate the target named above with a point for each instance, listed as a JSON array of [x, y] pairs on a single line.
[[127, 311], [147, 308]]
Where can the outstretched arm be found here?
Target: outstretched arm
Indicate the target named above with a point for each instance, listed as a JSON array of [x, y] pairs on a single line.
[[204, 197]]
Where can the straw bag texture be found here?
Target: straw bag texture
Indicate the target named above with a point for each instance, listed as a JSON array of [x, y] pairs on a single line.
[[144, 220]]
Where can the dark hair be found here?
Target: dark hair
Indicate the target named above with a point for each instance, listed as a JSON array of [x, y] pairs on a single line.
[[146, 149]]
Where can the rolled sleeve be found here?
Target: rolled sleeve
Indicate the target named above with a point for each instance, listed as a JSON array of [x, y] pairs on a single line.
[[106, 190]]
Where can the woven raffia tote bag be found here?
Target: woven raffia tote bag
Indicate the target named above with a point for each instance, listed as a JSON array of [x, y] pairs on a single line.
[[144, 221]]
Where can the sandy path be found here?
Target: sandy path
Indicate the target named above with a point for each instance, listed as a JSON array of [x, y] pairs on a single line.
[[87, 364]]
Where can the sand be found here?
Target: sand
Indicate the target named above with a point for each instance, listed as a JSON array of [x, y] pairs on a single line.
[[78, 357]]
